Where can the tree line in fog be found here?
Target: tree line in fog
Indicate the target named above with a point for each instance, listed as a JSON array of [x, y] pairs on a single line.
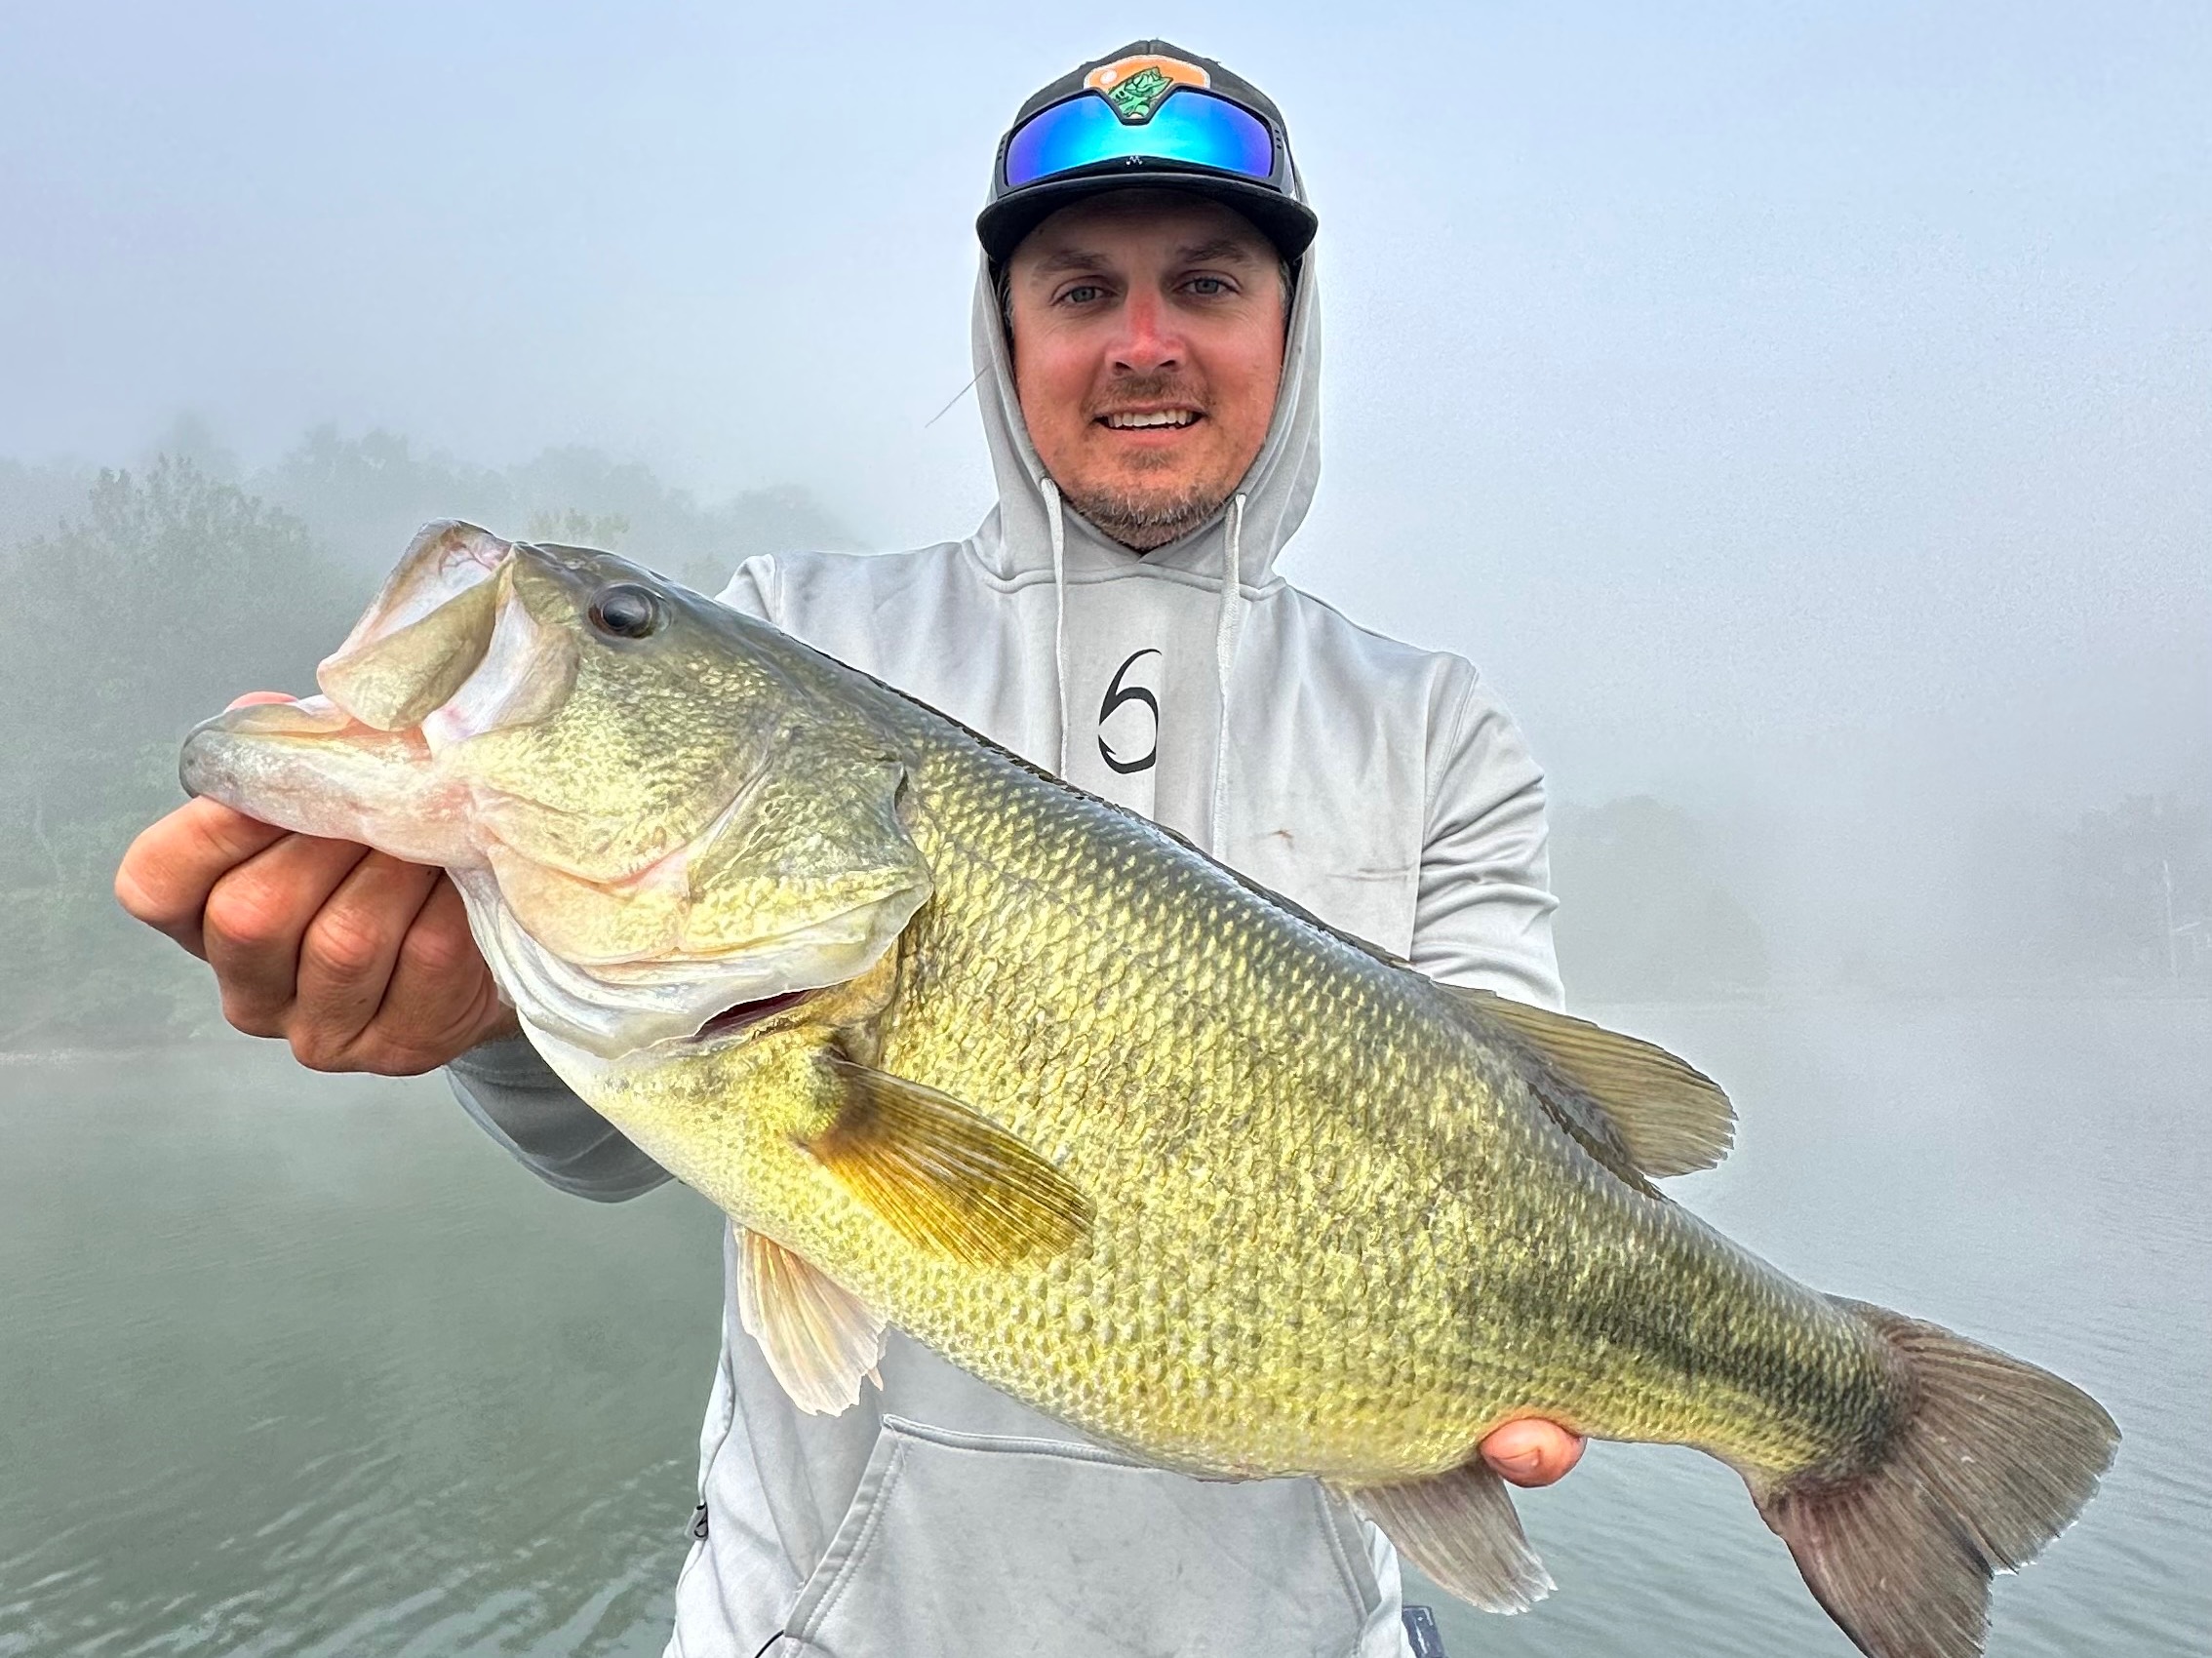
[[1658, 903], [147, 599]]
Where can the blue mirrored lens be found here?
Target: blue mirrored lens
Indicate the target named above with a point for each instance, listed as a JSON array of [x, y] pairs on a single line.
[[1190, 126]]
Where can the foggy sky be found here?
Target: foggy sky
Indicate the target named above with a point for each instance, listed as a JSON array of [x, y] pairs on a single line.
[[1778, 401]]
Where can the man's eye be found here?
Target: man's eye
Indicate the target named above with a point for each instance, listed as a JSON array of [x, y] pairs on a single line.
[[1082, 294], [1209, 286]]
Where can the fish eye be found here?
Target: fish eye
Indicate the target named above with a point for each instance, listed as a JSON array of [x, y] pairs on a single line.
[[626, 610]]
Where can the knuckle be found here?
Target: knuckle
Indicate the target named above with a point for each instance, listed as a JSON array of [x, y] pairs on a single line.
[[247, 914], [345, 943], [243, 1014], [139, 903], [438, 952], [311, 1050]]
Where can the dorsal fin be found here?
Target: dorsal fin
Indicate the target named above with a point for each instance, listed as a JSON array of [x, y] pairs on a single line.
[[1624, 1099]]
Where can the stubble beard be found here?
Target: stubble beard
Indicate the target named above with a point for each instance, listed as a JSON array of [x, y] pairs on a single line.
[[1142, 519], [1141, 515]]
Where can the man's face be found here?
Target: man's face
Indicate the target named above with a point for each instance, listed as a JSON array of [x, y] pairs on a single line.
[[1148, 330]]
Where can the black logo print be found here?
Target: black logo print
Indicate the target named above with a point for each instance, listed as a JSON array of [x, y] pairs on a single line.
[[1118, 694]]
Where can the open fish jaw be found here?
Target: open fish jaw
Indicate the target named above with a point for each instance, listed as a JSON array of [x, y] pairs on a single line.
[[463, 724]]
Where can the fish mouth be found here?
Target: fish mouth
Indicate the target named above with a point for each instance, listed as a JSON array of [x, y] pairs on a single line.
[[667, 1007], [427, 633], [451, 646], [742, 1016], [472, 635]]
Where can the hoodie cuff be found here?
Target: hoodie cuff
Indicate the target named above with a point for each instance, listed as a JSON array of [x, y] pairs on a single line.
[[515, 1098]]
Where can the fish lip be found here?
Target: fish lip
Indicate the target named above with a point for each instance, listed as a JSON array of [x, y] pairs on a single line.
[[447, 558]]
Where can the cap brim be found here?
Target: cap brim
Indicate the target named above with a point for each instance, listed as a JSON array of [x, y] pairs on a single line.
[[1290, 224]]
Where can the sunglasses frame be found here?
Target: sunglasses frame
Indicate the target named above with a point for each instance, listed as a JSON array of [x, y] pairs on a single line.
[[1277, 180]]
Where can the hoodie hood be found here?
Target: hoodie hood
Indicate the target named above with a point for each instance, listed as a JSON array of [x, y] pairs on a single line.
[[1233, 551], [1276, 491]]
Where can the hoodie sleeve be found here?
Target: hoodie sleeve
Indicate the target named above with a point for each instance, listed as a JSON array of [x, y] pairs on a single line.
[[1484, 911], [516, 1099]]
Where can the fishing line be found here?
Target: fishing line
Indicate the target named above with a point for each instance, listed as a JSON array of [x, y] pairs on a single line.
[[925, 426]]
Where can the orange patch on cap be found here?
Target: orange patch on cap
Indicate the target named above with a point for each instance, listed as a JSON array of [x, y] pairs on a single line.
[[1111, 75]]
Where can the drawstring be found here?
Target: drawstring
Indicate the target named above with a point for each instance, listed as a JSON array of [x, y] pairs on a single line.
[[1225, 655], [1059, 613]]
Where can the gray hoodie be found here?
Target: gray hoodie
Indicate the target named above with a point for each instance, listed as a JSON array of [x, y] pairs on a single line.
[[1381, 786]]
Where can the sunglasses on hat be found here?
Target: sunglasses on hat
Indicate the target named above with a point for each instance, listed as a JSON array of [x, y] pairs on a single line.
[[1151, 114], [1189, 127]]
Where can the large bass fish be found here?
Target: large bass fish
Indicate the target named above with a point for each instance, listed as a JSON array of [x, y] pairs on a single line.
[[961, 1048]]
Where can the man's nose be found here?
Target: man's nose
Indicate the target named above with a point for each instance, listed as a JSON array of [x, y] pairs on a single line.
[[1150, 340]]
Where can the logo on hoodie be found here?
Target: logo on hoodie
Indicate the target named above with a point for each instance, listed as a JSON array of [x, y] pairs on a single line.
[[1117, 695]]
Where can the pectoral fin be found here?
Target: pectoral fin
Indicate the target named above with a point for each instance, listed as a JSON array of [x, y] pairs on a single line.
[[942, 1175], [819, 1338], [1628, 1101], [1461, 1530]]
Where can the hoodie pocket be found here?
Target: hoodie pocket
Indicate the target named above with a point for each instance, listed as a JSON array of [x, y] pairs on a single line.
[[961, 1543]]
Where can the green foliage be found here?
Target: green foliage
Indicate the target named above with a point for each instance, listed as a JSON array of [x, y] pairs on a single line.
[[33, 500], [364, 497], [169, 595]]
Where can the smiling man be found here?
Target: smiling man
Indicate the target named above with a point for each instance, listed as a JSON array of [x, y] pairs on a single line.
[[1148, 327], [1147, 347]]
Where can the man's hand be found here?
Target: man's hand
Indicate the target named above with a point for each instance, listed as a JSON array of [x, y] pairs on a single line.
[[1532, 1451], [359, 960]]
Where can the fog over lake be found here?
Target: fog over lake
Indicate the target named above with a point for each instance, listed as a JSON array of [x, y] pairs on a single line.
[[1801, 416]]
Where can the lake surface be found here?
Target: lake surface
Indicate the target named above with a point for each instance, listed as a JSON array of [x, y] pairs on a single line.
[[296, 1365]]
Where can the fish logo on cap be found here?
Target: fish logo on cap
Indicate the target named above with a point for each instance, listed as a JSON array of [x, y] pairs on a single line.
[[1137, 86]]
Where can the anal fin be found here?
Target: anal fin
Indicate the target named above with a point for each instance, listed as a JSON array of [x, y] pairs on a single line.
[[1460, 1528], [818, 1337], [944, 1176]]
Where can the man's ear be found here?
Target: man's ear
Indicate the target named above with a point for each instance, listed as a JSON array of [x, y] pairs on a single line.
[[1002, 284]]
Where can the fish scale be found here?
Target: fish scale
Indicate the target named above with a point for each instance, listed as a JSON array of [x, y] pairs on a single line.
[[963, 1049], [1299, 1117]]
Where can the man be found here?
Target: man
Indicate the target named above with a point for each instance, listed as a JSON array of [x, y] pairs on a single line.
[[1148, 355]]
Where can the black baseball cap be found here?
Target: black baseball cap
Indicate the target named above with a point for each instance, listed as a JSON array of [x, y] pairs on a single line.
[[1149, 114]]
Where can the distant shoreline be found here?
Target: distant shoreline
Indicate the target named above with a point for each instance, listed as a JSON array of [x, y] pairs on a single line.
[[130, 1051], [1781, 1000]]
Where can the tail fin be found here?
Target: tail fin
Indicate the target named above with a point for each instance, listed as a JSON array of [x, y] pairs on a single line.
[[1994, 1459]]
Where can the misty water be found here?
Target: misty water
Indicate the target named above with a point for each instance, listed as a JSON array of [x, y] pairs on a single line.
[[304, 1365]]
